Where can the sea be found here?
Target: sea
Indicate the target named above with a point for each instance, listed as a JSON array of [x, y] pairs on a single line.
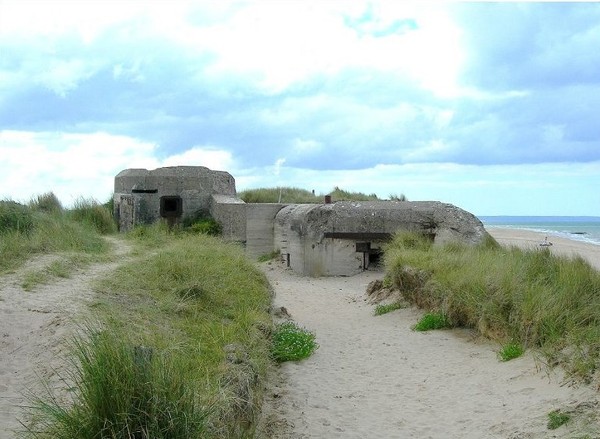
[[577, 228]]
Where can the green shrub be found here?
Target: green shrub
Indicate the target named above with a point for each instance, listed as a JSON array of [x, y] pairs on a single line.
[[431, 321], [386, 308], [90, 212], [556, 419], [510, 351], [292, 343]]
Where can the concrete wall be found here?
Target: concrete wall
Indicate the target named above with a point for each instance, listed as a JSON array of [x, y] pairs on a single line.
[[260, 219], [230, 212]]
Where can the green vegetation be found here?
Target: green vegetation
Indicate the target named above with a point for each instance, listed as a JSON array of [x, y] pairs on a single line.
[[47, 202], [204, 226], [388, 307], [124, 391], [43, 227], [180, 348], [292, 343], [296, 195], [269, 256], [531, 298], [432, 321], [511, 351], [557, 418], [94, 214]]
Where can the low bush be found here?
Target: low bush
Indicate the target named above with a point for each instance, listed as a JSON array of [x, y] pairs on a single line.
[[292, 343]]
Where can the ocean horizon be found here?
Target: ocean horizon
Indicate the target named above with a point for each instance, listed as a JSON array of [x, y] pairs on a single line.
[[577, 228]]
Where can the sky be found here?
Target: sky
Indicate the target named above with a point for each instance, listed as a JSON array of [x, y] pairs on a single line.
[[492, 107]]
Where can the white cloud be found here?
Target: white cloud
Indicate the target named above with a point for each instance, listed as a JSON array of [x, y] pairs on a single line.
[[211, 157], [70, 165]]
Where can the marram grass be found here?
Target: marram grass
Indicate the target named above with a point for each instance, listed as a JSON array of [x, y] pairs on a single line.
[[531, 297], [182, 351]]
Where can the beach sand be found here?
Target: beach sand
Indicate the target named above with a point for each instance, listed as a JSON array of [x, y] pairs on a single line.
[[373, 377]]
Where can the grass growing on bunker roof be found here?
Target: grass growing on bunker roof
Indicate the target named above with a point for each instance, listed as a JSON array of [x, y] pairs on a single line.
[[199, 310], [531, 298]]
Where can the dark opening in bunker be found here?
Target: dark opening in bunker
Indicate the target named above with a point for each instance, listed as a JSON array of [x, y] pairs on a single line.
[[375, 258], [170, 207]]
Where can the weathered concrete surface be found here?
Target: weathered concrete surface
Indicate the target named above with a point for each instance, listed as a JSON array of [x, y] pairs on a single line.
[[138, 193], [230, 212], [339, 238], [260, 219]]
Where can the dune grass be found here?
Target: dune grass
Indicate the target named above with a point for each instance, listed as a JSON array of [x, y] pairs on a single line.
[[297, 195], [43, 227], [180, 348], [529, 297]]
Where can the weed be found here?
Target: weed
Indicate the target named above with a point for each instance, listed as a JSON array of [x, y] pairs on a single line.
[[431, 321], [269, 256], [384, 309], [292, 343], [557, 418], [511, 351]]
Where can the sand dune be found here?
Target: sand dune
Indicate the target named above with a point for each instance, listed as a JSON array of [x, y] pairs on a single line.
[[373, 377]]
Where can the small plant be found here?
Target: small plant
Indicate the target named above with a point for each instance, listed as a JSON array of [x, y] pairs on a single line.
[[389, 307], [205, 226], [557, 418], [432, 321], [292, 343], [269, 256], [510, 351]]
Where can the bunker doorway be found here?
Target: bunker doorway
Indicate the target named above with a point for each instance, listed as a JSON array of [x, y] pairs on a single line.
[[372, 256], [171, 209]]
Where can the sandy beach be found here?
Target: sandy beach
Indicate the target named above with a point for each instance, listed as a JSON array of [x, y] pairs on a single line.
[[373, 377]]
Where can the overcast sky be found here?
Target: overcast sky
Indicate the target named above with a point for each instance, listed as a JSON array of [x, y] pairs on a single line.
[[493, 107]]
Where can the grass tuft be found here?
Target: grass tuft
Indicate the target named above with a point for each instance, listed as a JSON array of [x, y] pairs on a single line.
[[292, 343], [432, 321], [511, 351], [557, 418], [386, 308], [92, 213]]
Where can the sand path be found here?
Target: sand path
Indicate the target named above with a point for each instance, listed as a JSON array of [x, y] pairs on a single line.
[[373, 377], [34, 326]]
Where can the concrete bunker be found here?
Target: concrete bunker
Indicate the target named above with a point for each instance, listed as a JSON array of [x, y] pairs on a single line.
[[171, 194], [345, 238], [332, 239]]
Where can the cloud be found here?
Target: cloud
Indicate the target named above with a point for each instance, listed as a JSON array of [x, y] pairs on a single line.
[[70, 165]]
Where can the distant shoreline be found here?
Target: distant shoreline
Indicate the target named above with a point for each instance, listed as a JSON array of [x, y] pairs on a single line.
[[529, 239]]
